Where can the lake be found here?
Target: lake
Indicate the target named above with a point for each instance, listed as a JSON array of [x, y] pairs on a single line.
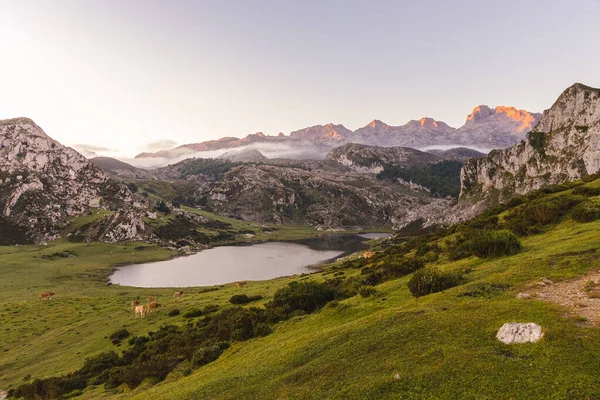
[[248, 262]]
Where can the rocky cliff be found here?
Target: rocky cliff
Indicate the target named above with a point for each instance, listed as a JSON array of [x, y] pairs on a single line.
[[324, 197], [372, 159], [43, 184], [564, 145]]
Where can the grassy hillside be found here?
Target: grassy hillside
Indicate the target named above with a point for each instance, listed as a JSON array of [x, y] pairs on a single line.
[[386, 345]]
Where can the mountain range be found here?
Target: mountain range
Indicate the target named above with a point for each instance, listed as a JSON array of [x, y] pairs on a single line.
[[485, 128]]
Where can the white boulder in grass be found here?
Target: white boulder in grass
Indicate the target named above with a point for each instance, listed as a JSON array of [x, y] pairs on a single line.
[[513, 332]]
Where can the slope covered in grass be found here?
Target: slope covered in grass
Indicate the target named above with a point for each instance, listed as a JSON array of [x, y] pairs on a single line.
[[387, 345]]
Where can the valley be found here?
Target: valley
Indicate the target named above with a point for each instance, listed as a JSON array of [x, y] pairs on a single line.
[[476, 244]]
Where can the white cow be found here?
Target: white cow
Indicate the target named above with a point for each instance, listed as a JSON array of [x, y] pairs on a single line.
[[140, 310]]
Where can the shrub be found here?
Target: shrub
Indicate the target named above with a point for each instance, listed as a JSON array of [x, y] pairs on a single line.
[[402, 267], [211, 308], [244, 299], [545, 211], [205, 355], [162, 207], [537, 140], [586, 212], [193, 313], [306, 296], [372, 279], [174, 312], [366, 291], [432, 280], [119, 335], [343, 288], [587, 191], [495, 243]]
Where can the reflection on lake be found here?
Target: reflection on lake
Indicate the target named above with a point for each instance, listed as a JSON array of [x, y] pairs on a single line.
[[254, 262]]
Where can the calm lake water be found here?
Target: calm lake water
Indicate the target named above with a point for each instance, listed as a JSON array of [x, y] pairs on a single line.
[[254, 262]]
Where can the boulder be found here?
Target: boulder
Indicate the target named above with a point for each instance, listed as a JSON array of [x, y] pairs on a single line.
[[513, 332]]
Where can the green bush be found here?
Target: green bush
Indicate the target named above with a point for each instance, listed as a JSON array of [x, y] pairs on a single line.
[[545, 210], [587, 191], [366, 291], [306, 296], [119, 335], [244, 299], [401, 267], [205, 355], [586, 212], [537, 140], [174, 312], [193, 313], [431, 280], [494, 243]]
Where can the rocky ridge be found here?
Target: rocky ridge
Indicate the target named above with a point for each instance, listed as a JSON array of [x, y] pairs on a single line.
[[44, 184], [563, 146]]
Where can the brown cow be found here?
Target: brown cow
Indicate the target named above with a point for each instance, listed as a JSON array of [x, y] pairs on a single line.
[[240, 284], [134, 304], [150, 299], [153, 307], [46, 295], [177, 295], [140, 310], [368, 254]]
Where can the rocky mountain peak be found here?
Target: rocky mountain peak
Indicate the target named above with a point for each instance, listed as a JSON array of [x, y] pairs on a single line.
[[322, 133], [520, 120], [377, 124], [43, 184], [575, 105], [428, 122], [479, 113]]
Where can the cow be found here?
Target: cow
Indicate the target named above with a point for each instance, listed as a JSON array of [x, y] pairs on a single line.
[[134, 304], [46, 295], [150, 299], [240, 284], [140, 310], [177, 295], [367, 254], [152, 307]]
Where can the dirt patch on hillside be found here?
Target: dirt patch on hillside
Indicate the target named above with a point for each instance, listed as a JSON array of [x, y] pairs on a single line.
[[581, 296]]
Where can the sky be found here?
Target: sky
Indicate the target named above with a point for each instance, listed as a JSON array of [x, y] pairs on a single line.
[[131, 76]]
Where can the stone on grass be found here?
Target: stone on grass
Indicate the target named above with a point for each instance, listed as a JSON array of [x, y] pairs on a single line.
[[513, 332], [523, 296]]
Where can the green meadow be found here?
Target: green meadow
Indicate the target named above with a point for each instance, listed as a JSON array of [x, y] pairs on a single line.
[[390, 345]]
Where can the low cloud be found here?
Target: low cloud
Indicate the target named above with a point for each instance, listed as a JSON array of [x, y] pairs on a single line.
[[91, 150], [454, 146], [269, 150], [158, 145]]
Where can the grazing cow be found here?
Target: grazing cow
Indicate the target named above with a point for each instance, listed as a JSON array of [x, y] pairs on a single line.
[[177, 295], [240, 284], [46, 295], [134, 304], [153, 307], [140, 310], [150, 299], [367, 254]]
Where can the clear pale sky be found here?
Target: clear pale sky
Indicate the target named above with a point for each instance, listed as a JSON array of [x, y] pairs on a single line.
[[124, 73]]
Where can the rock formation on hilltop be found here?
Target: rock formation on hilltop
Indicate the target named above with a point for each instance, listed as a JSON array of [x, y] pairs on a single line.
[[495, 128], [244, 155], [372, 159], [43, 184], [563, 146]]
